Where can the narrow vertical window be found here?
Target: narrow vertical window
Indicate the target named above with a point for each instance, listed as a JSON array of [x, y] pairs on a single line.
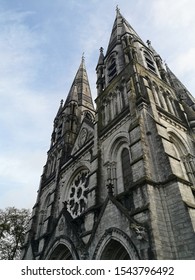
[[126, 168], [112, 69], [149, 62]]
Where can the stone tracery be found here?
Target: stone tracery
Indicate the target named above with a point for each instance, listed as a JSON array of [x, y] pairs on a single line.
[[78, 193]]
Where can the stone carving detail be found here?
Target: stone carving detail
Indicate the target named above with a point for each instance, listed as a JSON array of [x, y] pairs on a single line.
[[78, 194], [83, 137], [140, 232], [61, 225]]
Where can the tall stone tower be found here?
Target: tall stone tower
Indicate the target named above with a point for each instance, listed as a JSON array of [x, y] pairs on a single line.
[[119, 181]]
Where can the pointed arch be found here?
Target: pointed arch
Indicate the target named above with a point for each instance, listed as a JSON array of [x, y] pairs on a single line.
[[112, 66], [126, 168], [61, 249], [61, 253], [149, 62], [179, 142], [183, 155], [119, 163], [115, 245], [44, 214], [114, 250], [155, 91]]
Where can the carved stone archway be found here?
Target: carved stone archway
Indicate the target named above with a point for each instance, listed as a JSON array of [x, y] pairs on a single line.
[[114, 250], [61, 249], [115, 245], [61, 252]]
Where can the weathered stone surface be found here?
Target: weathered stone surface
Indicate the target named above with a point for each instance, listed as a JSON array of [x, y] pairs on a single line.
[[119, 181]]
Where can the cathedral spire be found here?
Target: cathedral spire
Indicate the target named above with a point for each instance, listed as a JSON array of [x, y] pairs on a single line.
[[101, 57], [60, 107], [120, 27], [80, 89], [181, 90]]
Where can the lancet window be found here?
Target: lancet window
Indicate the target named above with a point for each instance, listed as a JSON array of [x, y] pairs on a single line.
[[164, 99], [44, 214], [186, 159], [149, 62], [126, 168], [114, 104], [112, 71]]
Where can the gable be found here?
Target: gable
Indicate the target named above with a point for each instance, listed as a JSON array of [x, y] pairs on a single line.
[[114, 216], [85, 134], [114, 224]]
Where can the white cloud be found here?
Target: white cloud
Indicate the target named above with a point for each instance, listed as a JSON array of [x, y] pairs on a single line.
[[23, 110], [185, 61], [40, 51], [19, 180], [173, 14]]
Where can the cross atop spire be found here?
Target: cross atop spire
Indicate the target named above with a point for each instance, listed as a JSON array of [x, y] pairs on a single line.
[[117, 9]]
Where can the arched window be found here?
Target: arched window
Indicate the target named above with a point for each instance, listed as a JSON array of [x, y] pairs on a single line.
[[162, 98], [126, 168], [112, 68], [155, 91], [89, 116], [186, 168], [59, 131], [44, 214], [149, 62], [103, 115]]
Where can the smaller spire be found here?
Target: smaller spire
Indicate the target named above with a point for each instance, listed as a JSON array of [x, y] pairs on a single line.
[[60, 108], [83, 57], [101, 57], [101, 50]]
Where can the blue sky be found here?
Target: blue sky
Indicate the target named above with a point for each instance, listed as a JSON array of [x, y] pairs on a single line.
[[41, 44]]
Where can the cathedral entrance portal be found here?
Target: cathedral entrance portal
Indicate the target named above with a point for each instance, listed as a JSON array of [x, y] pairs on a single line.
[[61, 252], [114, 250]]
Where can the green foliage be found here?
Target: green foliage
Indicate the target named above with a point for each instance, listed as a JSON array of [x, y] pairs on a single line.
[[13, 226]]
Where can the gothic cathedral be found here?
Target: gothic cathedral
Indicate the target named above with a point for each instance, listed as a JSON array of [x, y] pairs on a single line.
[[119, 180]]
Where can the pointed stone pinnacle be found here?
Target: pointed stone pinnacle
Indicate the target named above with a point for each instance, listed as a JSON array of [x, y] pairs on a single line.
[[83, 56]]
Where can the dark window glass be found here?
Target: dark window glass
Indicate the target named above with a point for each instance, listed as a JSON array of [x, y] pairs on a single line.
[[126, 168]]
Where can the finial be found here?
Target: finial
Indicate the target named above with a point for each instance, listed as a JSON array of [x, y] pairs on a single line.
[[109, 185], [117, 9], [110, 188], [83, 57], [61, 102], [101, 50], [149, 43]]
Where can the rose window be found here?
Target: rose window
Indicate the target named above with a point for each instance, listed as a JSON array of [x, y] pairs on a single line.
[[78, 194]]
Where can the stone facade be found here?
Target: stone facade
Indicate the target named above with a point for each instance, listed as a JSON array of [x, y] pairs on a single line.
[[119, 181]]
